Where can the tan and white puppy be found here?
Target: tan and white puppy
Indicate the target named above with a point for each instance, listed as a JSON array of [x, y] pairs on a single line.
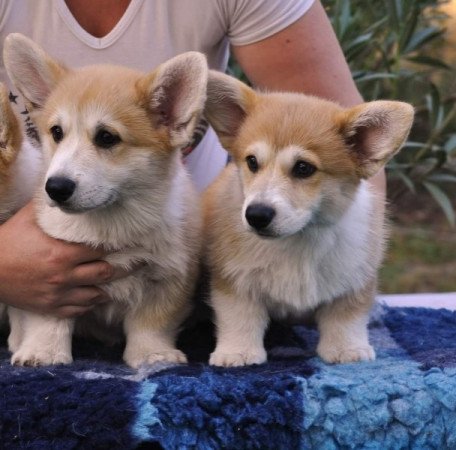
[[19, 167], [113, 178], [292, 225]]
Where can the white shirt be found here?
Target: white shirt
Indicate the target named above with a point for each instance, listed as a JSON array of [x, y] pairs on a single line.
[[149, 33]]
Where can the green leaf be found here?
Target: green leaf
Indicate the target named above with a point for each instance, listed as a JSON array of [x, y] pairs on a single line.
[[450, 144], [374, 76], [421, 37], [429, 61], [440, 116], [443, 201], [407, 181], [344, 18], [393, 165], [409, 29], [376, 25], [394, 13], [434, 105], [356, 45], [443, 178], [413, 144]]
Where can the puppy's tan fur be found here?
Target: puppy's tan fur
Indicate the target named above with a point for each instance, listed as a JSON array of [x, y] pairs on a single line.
[[134, 199], [321, 251]]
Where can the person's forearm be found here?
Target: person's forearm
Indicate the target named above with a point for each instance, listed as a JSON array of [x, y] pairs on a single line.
[[304, 57]]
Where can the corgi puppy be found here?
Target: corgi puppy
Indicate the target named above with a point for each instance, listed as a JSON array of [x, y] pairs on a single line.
[[113, 178], [19, 168], [292, 225]]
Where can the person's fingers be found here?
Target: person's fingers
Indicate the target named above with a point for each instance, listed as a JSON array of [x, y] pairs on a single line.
[[68, 312], [98, 272], [92, 273], [79, 253], [83, 296], [81, 301]]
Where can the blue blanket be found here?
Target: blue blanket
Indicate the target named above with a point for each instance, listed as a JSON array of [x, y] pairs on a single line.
[[405, 399]]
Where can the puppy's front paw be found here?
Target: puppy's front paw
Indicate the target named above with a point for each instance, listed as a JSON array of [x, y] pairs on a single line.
[[337, 354], [33, 357], [14, 342], [137, 359], [224, 359]]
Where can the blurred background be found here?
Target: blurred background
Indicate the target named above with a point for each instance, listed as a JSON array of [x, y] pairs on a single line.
[[406, 50]]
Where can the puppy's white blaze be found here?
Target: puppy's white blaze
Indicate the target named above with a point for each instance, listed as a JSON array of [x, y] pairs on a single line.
[[63, 161]]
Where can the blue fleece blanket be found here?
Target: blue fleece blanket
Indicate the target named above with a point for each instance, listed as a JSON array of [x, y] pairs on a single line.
[[405, 399]]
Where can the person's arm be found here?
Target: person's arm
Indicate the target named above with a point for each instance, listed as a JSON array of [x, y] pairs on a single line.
[[46, 275], [304, 57]]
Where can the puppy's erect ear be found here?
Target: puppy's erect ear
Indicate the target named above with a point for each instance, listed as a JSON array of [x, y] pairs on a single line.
[[32, 71], [375, 132], [228, 103], [175, 95]]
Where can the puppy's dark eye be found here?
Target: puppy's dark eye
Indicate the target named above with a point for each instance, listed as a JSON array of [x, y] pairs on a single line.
[[303, 169], [57, 133], [106, 139], [252, 163]]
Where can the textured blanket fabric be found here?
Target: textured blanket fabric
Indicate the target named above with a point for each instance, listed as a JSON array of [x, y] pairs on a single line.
[[405, 399]]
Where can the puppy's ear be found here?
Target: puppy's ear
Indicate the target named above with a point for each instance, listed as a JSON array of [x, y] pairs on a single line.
[[32, 71], [175, 94], [228, 103], [375, 132]]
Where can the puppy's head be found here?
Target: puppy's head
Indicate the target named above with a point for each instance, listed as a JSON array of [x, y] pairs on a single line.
[[301, 158], [107, 132]]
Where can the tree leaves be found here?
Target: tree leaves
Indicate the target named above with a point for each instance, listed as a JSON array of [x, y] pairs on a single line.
[[390, 49]]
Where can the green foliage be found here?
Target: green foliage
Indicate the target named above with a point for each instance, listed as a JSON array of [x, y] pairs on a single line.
[[391, 48]]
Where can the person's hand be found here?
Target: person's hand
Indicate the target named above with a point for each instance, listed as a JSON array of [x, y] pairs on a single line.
[[46, 275]]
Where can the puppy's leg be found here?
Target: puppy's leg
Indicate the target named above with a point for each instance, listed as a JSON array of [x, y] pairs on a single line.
[[16, 329], [151, 329], [46, 340], [343, 328], [241, 324]]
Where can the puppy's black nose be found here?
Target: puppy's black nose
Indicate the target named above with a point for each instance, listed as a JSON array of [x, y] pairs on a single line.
[[60, 189], [259, 216]]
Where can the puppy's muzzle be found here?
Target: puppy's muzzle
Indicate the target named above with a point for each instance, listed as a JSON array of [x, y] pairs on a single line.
[[259, 216], [60, 189]]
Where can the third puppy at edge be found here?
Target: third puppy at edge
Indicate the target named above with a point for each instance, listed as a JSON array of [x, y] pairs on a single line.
[[292, 224]]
